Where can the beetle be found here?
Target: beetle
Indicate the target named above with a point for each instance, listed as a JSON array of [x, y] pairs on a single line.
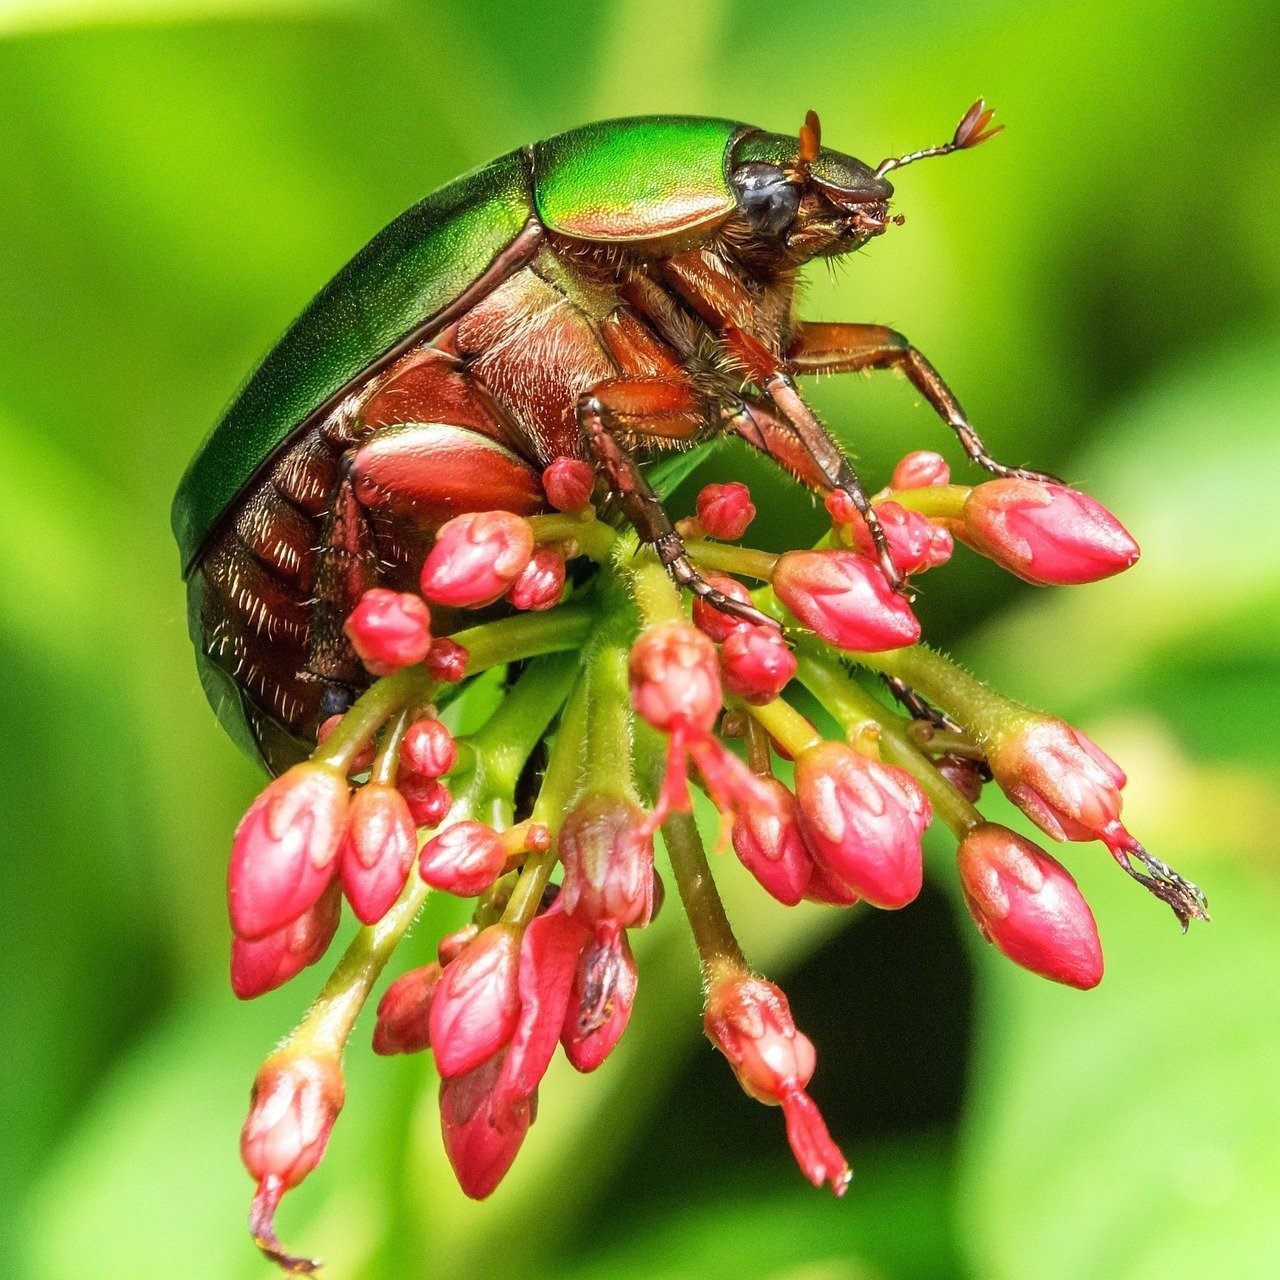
[[612, 292]]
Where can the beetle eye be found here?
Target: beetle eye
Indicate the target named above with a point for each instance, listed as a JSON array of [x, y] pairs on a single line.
[[766, 197]]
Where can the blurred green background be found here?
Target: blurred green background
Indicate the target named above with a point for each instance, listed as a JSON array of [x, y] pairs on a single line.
[[1102, 287]]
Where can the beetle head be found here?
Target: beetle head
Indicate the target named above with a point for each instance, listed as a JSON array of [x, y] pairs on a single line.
[[804, 200]]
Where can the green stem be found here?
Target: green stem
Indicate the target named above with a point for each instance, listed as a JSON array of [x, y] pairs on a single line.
[[371, 711], [655, 594], [524, 635], [724, 558], [976, 706], [594, 538], [610, 725], [938, 502], [512, 731], [718, 949], [387, 762], [562, 780], [854, 709], [785, 725]]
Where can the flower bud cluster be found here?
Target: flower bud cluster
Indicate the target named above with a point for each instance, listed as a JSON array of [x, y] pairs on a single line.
[[390, 806]]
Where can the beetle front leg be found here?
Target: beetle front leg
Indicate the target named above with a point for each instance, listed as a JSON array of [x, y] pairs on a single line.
[[612, 408], [848, 348]]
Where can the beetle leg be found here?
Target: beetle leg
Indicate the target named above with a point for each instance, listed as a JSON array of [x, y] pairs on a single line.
[[844, 348], [623, 405], [723, 302], [768, 373]]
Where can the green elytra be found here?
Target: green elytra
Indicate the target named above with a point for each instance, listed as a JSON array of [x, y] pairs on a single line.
[[659, 178]]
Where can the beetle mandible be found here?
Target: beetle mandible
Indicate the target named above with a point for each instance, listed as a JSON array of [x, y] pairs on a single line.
[[617, 290]]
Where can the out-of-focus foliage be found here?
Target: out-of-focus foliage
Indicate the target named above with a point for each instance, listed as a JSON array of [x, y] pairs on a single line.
[[1101, 285]]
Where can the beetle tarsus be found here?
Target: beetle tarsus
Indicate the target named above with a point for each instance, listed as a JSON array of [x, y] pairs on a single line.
[[672, 554]]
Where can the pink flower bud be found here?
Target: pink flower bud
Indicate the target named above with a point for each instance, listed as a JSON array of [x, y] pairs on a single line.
[[548, 961], [428, 799], [285, 848], [477, 1002], [389, 630], [1062, 780], [767, 839], [756, 663], [750, 1022], [447, 660], [294, 1103], [476, 558], [478, 1150], [452, 943], [675, 678], [845, 599], [604, 989], [568, 483], [725, 510], [262, 966], [1046, 533], [428, 748], [915, 542], [707, 618], [608, 862], [829, 891], [404, 1012], [378, 850], [1028, 905], [920, 470], [863, 822], [464, 859], [541, 582]]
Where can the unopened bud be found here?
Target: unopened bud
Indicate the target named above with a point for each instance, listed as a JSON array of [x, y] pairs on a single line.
[[476, 1004], [725, 510], [767, 839], [262, 966], [378, 850], [296, 1098], [608, 862], [845, 599], [389, 630], [707, 618], [675, 678], [1046, 533], [476, 558], [568, 483], [756, 663], [921, 469], [541, 582], [478, 1150], [428, 748], [1026, 903], [404, 1012], [285, 849], [464, 859], [447, 660], [863, 822]]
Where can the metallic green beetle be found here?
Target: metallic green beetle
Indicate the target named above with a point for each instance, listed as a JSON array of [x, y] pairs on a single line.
[[619, 289]]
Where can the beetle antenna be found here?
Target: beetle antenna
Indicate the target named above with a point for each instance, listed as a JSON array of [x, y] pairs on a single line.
[[810, 145], [970, 132]]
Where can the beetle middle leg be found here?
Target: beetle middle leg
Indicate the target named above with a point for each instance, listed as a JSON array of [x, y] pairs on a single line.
[[654, 407], [847, 348]]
